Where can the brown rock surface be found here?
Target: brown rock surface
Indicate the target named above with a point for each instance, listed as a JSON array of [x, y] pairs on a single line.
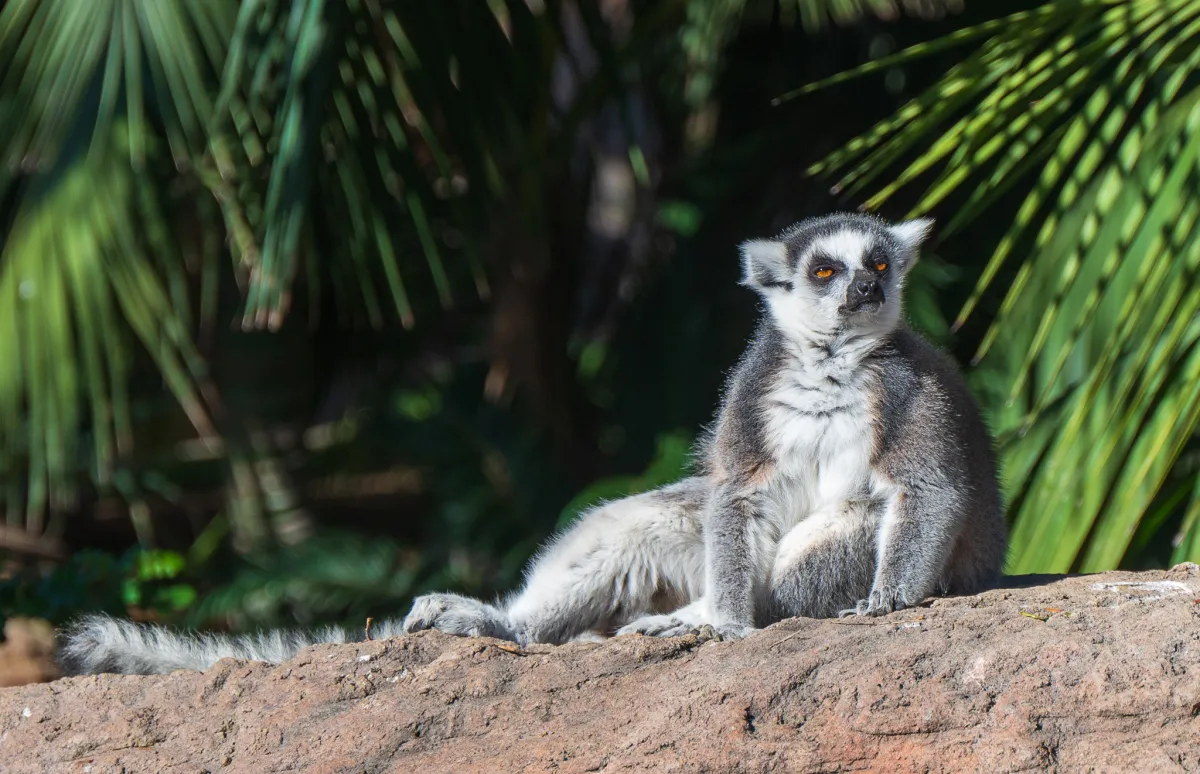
[[1090, 673]]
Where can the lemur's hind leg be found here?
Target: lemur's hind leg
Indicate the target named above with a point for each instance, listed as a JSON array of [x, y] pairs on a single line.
[[739, 546], [642, 554], [823, 565]]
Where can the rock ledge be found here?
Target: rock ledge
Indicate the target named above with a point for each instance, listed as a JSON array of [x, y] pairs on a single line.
[[1082, 673]]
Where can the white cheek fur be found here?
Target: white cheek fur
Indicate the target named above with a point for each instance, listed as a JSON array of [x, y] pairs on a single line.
[[802, 315]]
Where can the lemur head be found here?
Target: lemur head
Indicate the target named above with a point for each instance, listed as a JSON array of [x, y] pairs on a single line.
[[839, 273]]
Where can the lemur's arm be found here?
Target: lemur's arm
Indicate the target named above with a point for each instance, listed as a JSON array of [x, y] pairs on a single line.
[[915, 538], [732, 548]]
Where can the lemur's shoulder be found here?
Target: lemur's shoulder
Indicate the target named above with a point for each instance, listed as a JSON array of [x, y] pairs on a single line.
[[909, 358], [924, 408], [734, 445], [906, 347]]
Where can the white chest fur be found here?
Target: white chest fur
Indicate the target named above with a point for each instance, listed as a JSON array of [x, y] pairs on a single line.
[[819, 430]]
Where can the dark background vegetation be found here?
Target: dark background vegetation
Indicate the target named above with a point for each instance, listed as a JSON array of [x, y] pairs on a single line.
[[570, 302]]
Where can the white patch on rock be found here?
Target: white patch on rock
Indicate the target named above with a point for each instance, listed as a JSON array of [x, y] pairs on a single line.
[[975, 674], [1159, 589]]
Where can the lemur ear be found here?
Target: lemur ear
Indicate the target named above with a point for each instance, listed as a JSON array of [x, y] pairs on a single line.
[[765, 264], [910, 234]]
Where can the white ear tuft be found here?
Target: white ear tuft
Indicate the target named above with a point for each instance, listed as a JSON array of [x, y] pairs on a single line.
[[911, 233], [764, 263]]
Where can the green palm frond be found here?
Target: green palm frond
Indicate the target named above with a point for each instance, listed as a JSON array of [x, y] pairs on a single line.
[[709, 24], [61, 60], [816, 13], [389, 125], [1090, 360], [77, 264], [90, 267]]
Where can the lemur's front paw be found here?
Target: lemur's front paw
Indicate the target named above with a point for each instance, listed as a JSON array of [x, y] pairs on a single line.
[[882, 600], [859, 609]]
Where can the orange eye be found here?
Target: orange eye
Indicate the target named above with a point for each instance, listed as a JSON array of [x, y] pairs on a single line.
[[824, 272], [881, 266]]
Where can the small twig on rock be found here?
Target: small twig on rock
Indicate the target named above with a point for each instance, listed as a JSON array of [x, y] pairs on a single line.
[[791, 636], [367, 630]]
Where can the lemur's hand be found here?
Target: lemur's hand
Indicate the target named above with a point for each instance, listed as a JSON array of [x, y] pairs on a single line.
[[882, 601]]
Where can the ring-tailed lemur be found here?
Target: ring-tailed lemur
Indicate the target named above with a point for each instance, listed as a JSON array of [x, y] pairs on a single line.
[[848, 472]]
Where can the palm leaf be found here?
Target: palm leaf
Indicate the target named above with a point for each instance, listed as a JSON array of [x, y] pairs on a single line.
[[74, 263], [59, 57]]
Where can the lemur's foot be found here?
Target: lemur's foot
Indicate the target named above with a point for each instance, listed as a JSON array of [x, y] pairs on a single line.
[[459, 615], [724, 632], [674, 626], [658, 626]]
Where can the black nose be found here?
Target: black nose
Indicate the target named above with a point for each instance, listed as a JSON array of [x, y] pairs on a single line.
[[866, 288]]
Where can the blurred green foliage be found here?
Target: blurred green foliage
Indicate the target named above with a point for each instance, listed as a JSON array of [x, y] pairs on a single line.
[[310, 306], [98, 580], [670, 463]]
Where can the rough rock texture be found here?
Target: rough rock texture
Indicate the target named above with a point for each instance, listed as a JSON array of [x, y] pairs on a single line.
[[1093, 673]]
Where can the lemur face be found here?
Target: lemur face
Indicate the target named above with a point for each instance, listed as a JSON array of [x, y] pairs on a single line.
[[838, 273]]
